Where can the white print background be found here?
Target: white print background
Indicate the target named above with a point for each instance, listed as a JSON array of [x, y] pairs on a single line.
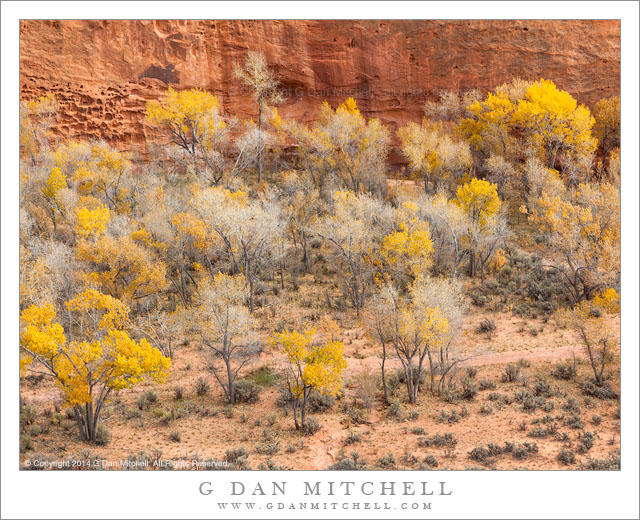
[[545, 494]]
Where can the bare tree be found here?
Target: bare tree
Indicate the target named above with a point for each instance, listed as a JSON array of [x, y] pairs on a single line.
[[223, 321], [255, 73]]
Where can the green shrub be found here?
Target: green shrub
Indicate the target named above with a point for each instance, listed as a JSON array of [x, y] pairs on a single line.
[[387, 462], [487, 326], [564, 371], [103, 436], [394, 409], [543, 389], [202, 386], [439, 441], [352, 463], [319, 403], [574, 421], [511, 373], [151, 396], [612, 463], [586, 442], [311, 426], [600, 391], [263, 376], [26, 443], [596, 419], [480, 454], [523, 451], [486, 384], [28, 414], [409, 459], [268, 448], [566, 457], [352, 438], [486, 409], [245, 391], [430, 462], [178, 392], [472, 372], [571, 405], [175, 436], [469, 388]]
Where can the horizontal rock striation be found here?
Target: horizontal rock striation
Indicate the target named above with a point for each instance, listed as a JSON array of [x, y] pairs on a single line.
[[103, 72]]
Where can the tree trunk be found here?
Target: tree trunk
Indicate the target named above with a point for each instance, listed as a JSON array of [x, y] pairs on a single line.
[[260, 139], [232, 398], [384, 379]]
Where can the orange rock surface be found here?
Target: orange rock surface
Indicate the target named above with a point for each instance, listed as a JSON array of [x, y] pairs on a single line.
[[103, 72]]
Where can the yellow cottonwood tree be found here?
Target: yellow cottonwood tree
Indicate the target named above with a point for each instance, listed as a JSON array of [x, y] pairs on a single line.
[[489, 126], [607, 127], [408, 250], [480, 201], [555, 122], [419, 327], [194, 121], [587, 319], [312, 368], [584, 230], [92, 358], [344, 145]]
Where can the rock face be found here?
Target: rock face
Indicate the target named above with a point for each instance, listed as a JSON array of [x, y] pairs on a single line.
[[103, 72]]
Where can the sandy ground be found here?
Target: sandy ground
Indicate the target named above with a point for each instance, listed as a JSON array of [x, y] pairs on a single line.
[[206, 432]]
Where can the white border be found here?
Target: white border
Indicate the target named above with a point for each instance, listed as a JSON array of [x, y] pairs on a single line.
[[174, 494]]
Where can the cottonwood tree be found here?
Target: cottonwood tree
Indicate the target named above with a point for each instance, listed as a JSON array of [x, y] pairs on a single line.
[[94, 169], [312, 367], [222, 320], [353, 229], [420, 327], [488, 129], [91, 358], [587, 320], [583, 227], [451, 106], [479, 200], [194, 121], [607, 126], [344, 145], [553, 120], [406, 253], [176, 236], [247, 231], [448, 225], [36, 118], [301, 204], [256, 74], [433, 154]]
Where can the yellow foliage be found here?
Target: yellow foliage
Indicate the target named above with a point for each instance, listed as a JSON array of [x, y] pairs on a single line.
[[413, 248], [498, 260], [316, 367], [181, 108], [55, 182], [479, 199], [608, 300], [555, 120], [91, 222], [102, 357], [121, 267]]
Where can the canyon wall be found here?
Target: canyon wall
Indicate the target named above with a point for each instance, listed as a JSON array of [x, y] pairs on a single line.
[[103, 72]]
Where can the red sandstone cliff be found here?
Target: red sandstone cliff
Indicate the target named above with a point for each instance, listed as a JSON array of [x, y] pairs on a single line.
[[104, 71]]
